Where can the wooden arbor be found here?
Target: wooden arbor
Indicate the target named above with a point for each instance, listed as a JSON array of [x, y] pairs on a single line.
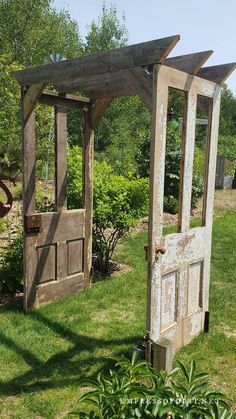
[[57, 258]]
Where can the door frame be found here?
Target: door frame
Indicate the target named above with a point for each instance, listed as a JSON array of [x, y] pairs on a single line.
[[163, 78]]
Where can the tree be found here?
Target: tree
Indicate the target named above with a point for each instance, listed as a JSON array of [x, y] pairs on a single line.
[[10, 137], [228, 112], [30, 30], [107, 33]]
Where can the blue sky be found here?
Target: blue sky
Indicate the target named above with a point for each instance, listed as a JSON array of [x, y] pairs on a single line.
[[202, 24]]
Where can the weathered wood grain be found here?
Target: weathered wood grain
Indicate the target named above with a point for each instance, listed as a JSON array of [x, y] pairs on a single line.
[[208, 201], [140, 81], [217, 73], [88, 151], [179, 263], [58, 289], [61, 227], [30, 98], [186, 170], [157, 170], [68, 101], [189, 63], [28, 140], [60, 158], [99, 63], [98, 110]]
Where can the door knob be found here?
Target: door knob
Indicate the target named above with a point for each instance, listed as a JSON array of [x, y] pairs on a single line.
[[160, 249]]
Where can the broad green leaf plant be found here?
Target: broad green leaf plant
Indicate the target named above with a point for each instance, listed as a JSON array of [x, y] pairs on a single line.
[[136, 390]]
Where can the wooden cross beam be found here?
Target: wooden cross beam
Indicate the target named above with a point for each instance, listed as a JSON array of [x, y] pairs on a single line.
[[217, 73], [145, 53], [134, 81], [68, 101], [29, 99], [190, 63]]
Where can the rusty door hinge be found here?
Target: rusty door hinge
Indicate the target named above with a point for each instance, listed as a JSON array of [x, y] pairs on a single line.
[[33, 223]]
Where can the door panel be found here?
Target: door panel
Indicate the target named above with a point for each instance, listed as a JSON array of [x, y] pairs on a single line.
[[179, 263], [57, 255]]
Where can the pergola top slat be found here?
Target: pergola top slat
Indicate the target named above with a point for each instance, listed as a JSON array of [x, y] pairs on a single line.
[[145, 53], [115, 84], [189, 63], [217, 73]]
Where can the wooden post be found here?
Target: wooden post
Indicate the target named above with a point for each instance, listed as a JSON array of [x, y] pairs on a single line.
[[60, 157], [88, 149], [163, 353], [208, 198], [157, 169], [186, 172], [28, 145], [61, 181]]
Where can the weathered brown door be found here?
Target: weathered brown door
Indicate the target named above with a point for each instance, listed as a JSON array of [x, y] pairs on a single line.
[[57, 245], [179, 263]]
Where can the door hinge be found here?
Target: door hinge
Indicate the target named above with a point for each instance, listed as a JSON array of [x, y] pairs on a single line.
[[33, 223]]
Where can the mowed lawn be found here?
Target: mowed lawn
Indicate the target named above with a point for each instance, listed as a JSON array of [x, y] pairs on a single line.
[[44, 354]]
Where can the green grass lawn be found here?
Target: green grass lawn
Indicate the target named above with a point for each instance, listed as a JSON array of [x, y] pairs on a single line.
[[44, 354]]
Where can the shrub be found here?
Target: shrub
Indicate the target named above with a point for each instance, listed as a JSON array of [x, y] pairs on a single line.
[[135, 390], [118, 204], [11, 272], [2, 225], [172, 169]]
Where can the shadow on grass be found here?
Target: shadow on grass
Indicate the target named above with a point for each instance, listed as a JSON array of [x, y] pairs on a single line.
[[61, 369]]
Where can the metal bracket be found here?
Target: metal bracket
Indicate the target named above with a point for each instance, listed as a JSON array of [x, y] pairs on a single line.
[[33, 223], [206, 321]]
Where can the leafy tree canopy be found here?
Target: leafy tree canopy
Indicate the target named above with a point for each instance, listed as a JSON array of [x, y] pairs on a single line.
[[30, 30]]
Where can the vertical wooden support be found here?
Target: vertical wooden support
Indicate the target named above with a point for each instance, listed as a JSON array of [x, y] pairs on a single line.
[[61, 181], [60, 157], [163, 353], [28, 141], [209, 188], [186, 172], [157, 173], [88, 149]]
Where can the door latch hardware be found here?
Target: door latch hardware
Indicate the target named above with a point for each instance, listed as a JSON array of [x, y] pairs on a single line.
[[33, 223], [160, 249]]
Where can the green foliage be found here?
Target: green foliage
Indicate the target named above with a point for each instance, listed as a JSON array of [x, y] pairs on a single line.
[[10, 136], [172, 169], [227, 145], [11, 272], [228, 113], [107, 33], [32, 30], [2, 225], [118, 203], [135, 390]]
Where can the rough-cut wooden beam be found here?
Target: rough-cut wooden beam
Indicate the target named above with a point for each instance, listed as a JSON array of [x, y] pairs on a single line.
[[30, 98], [98, 110], [68, 101], [190, 63], [141, 82], [217, 73], [103, 62], [127, 82], [101, 86]]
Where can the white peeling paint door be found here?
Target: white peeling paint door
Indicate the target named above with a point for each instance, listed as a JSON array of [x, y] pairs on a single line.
[[179, 263]]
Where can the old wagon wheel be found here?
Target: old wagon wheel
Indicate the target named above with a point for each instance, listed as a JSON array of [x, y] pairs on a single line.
[[6, 207]]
